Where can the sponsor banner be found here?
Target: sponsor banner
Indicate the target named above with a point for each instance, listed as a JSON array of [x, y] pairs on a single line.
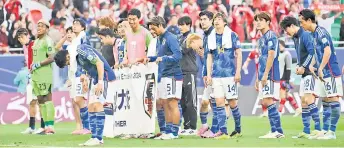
[[338, 7], [14, 108], [131, 101]]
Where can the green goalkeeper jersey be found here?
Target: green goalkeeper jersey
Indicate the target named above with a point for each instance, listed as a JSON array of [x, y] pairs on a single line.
[[42, 48]]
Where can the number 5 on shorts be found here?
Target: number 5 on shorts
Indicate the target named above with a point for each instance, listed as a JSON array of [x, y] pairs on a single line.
[[169, 89]]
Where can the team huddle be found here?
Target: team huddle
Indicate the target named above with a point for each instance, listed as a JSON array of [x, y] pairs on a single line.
[[89, 74]]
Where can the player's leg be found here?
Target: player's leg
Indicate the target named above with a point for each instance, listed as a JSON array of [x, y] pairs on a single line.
[[189, 101], [219, 94], [84, 116], [203, 116], [50, 112], [333, 91], [41, 102], [283, 99], [313, 109], [174, 95], [77, 118], [269, 92], [161, 116], [232, 95], [32, 114], [326, 114]]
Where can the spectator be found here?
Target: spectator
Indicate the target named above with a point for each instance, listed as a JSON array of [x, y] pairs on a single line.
[[178, 11], [4, 49], [104, 9], [341, 34], [12, 41], [13, 7], [10, 22], [94, 10], [106, 22], [2, 12], [30, 28], [78, 8], [55, 14], [168, 10], [94, 39], [54, 31], [192, 10], [326, 21], [87, 19], [21, 79], [63, 22], [173, 26]]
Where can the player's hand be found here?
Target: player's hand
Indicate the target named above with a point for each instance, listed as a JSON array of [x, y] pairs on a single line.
[[205, 81], [85, 87], [159, 59], [264, 80], [69, 83], [83, 77], [256, 85], [99, 88], [35, 66], [117, 66], [300, 70], [145, 60], [209, 80], [237, 77], [312, 70], [321, 74]]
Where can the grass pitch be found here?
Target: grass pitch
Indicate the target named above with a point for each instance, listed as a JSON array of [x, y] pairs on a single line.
[[252, 128]]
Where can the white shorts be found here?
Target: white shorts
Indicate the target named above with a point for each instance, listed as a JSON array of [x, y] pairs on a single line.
[[207, 93], [170, 88], [225, 88], [93, 98], [76, 89], [270, 90], [308, 85], [29, 93], [332, 87]]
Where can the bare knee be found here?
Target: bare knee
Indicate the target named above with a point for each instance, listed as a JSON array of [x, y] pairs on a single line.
[[309, 99], [220, 102], [268, 101], [233, 103], [33, 103]]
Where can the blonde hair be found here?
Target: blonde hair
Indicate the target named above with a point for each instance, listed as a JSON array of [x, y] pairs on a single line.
[[191, 38], [107, 22]]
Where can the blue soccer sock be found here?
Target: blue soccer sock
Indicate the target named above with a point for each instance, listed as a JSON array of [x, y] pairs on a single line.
[[313, 109], [203, 117], [306, 119], [100, 124], [168, 127], [270, 116], [161, 120], [237, 118], [221, 115], [215, 123], [335, 114], [93, 124], [180, 113], [326, 115], [84, 118], [275, 117], [175, 129]]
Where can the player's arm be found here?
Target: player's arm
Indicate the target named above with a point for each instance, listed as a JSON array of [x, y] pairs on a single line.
[[149, 37], [327, 52], [238, 53], [209, 67], [50, 53], [288, 61], [307, 40], [272, 45], [60, 43], [173, 44]]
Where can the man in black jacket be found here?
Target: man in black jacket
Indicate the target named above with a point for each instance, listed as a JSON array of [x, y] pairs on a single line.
[[189, 69]]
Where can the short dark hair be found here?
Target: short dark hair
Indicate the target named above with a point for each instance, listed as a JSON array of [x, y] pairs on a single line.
[[122, 20], [69, 29], [92, 30], [21, 31], [263, 15], [156, 21], [209, 14], [185, 20], [56, 22], [281, 42], [307, 14], [61, 58], [82, 22], [175, 6], [106, 32], [135, 12], [221, 15], [288, 21], [63, 19]]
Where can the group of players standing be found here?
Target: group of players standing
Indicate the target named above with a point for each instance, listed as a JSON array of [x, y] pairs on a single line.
[[220, 48]]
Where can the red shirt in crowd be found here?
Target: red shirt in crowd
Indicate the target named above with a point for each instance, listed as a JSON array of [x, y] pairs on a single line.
[[13, 7]]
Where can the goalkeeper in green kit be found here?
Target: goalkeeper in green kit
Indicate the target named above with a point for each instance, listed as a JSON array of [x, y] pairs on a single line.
[[42, 74]]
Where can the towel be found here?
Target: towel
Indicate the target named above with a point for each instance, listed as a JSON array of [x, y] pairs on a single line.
[[226, 39], [72, 53]]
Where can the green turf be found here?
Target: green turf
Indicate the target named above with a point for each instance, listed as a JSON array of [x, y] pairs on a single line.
[[252, 128]]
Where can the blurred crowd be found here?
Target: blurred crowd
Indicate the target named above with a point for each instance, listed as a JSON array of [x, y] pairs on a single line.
[[239, 12]]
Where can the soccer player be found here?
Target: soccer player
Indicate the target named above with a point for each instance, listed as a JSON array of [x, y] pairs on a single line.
[[89, 60], [170, 76], [23, 37], [138, 39], [328, 72], [304, 46], [76, 92], [206, 20], [285, 72], [42, 74], [268, 77], [224, 67], [189, 69]]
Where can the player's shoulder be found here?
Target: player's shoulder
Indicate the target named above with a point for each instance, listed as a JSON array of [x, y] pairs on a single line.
[[321, 31], [270, 35]]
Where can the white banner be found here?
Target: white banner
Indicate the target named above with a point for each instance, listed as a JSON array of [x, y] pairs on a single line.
[[131, 101]]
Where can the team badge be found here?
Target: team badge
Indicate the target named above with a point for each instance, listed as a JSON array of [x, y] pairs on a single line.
[[163, 41], [324, 40], [221, 49], [238, 43], [270, 43], [90, 57]]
